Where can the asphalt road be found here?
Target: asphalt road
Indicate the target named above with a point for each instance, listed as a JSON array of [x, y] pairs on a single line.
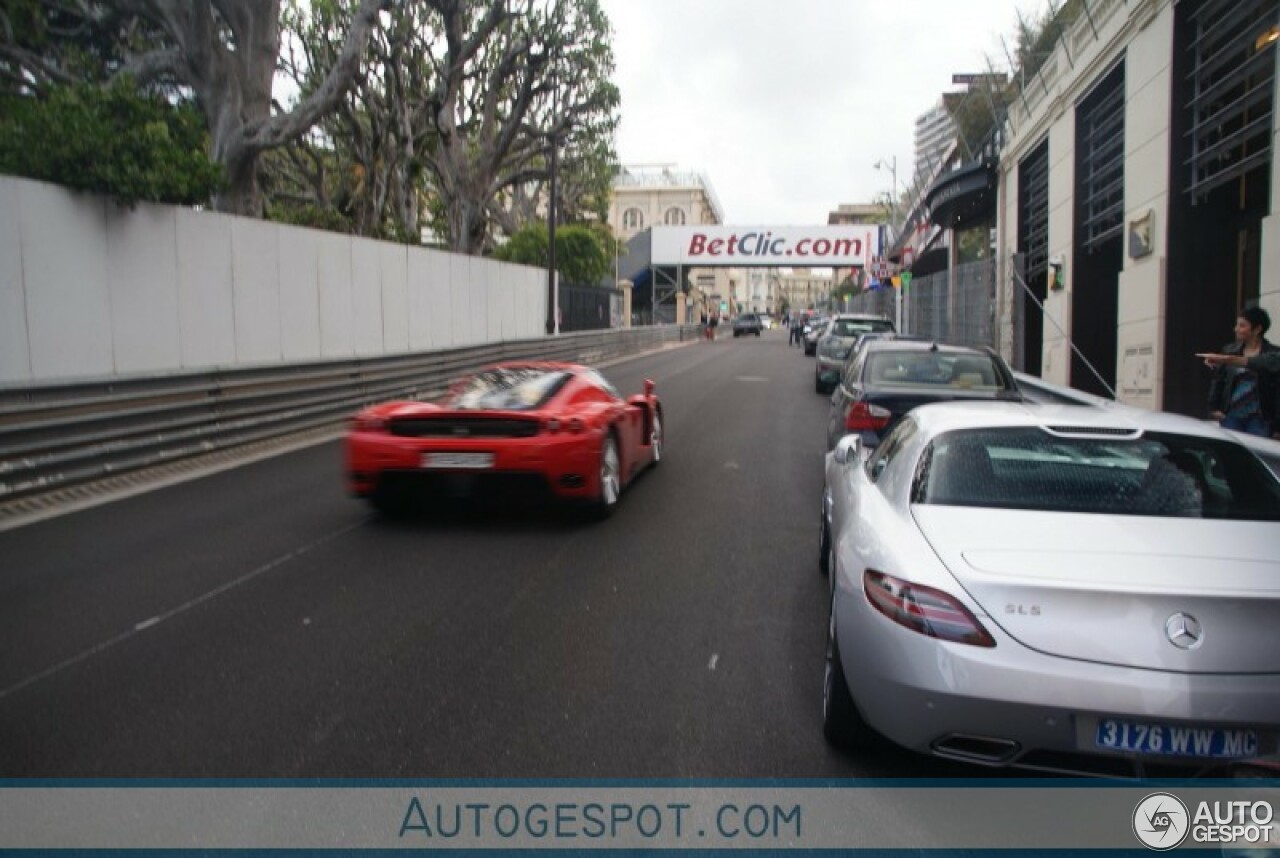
[[259, 623]]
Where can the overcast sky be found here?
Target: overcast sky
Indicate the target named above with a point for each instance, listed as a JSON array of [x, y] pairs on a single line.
[[786, 105]]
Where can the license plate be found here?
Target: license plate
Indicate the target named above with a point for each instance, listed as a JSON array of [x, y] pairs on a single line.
[[458, 461], [1175, 741]]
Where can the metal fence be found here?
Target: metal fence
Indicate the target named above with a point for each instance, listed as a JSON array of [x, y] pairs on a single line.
[[929, 309], [588, 308]]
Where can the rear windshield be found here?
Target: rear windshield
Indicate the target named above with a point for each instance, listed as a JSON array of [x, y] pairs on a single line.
[[1180, 476], [853, 327], [933, 369], [508, 389]]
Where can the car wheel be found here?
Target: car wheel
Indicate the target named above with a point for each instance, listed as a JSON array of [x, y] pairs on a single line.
[[657, 438], [610, 477], [818, 386], [841, 723], [824, 542]]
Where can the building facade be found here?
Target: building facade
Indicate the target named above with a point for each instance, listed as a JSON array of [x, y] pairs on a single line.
[[935, 135], [650, 195], [803, 288], [1137, 197]]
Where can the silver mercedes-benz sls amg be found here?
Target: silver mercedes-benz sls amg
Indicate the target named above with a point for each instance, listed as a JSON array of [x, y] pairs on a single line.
[[1056, 587]]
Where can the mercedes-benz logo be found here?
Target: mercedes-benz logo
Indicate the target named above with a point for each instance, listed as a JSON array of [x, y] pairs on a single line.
[[1184, 631]]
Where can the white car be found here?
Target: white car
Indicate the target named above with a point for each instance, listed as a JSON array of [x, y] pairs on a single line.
[[1065, 588]]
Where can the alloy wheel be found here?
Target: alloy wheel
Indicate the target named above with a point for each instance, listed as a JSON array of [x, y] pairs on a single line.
[[610, 485]]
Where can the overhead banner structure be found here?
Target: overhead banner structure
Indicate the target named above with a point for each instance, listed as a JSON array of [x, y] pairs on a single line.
[[772, 246]]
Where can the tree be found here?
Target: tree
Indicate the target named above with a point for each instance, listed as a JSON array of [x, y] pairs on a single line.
[[366, 154], [221, 52], [449, 120], [581, 257], [584, 186], [50, 43], [506, 84]]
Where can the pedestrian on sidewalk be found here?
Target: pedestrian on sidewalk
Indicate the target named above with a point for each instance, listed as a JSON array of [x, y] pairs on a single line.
[[1246, 378]]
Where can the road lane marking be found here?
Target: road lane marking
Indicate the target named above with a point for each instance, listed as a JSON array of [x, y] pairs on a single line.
[[715, 657], [181, 609]]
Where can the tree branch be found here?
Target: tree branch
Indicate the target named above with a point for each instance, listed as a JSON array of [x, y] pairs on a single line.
[[283, 127], [35, 64], [149, 68]]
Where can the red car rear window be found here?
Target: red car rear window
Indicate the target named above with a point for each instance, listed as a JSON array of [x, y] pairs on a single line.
[[508, 389]]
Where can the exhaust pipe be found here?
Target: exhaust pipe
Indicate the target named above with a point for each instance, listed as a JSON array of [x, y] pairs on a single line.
[[988, 750]]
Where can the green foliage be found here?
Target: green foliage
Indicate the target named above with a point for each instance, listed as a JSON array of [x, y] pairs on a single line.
[[527, 247], [309, 215], [975, 244], [1036, 39], [113, 141], [581, 257]]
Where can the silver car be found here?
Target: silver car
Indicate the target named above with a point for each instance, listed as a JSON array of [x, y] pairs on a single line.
[[1056, 587], [836, 343]]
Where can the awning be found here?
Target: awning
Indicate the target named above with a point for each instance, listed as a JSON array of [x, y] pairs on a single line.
[[964, 198]]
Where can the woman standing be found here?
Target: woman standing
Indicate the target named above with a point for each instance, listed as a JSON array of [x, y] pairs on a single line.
[[1243, 397]]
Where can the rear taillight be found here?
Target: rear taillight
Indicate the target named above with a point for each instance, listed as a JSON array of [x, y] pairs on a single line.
[[366, 423], [573, 424], [862, 416], [924, 609]]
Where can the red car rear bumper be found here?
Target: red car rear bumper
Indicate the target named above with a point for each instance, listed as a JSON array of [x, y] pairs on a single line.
[[568, 463]]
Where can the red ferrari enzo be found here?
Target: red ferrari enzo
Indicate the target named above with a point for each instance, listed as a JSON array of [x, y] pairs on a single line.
[[553, 428]]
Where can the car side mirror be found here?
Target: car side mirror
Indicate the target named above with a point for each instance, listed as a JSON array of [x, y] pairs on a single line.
[[849, 449]]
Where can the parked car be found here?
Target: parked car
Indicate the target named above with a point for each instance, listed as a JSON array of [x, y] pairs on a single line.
[[813, 330], [887, 378], [554, 429], [1051, 586], [747, 323], [837, 342]]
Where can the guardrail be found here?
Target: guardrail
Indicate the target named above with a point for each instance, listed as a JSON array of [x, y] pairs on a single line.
[[62, 435]]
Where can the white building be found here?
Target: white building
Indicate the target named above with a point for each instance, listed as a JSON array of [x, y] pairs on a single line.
[[1137, 196], [935, 134]]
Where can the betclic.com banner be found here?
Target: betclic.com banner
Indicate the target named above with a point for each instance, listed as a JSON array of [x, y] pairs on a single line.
[[781, 246], [1227, 817]]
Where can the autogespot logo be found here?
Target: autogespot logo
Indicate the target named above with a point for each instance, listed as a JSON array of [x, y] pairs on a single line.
[[1160, 821]]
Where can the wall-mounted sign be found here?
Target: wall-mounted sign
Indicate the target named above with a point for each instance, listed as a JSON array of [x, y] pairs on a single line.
[[774, 246], [1141, 235]]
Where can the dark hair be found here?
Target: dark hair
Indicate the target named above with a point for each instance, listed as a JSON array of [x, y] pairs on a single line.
[[1257, 318]]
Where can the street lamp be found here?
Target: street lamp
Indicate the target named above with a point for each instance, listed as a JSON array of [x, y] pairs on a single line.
[[553, 297], [892, 166], [553, 294]]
